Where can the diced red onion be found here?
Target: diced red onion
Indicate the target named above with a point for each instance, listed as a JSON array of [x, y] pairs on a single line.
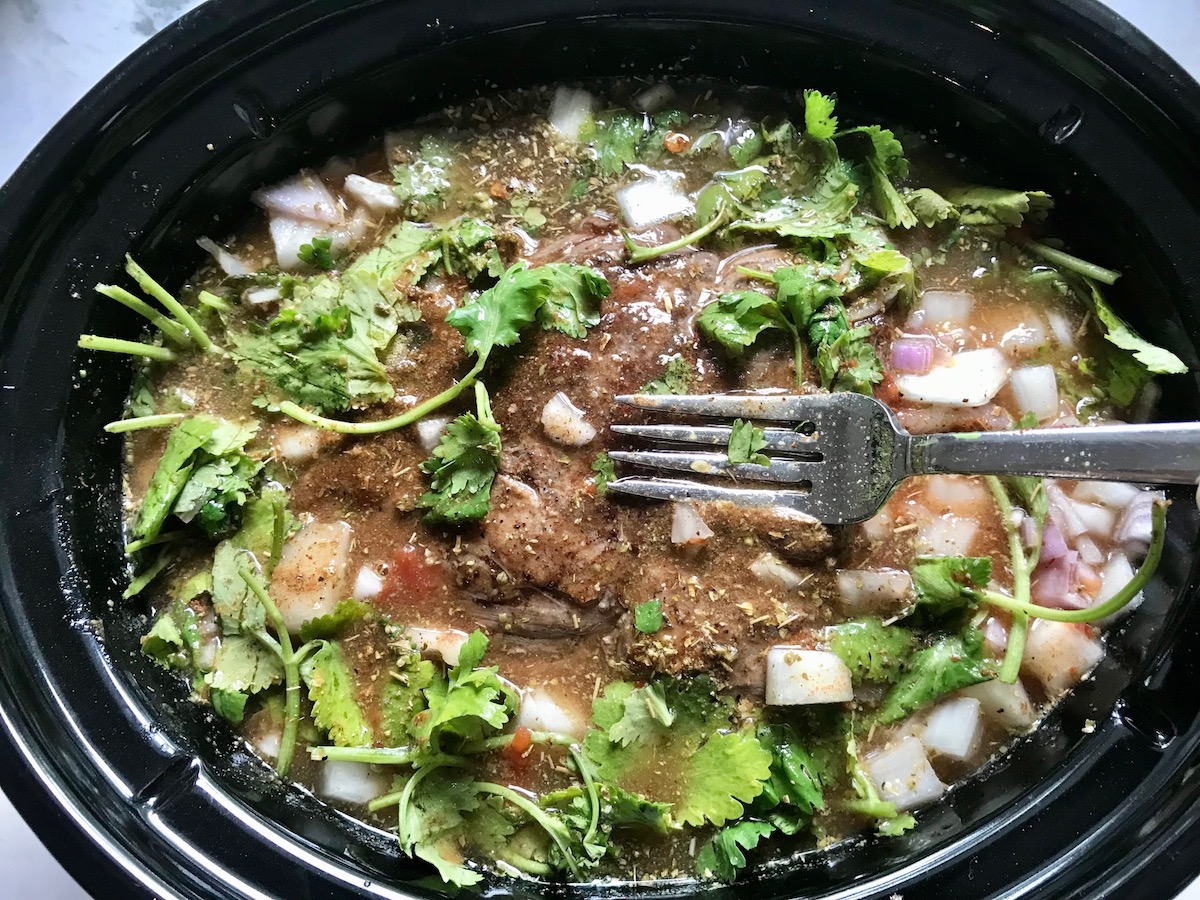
[[1054, 580], [1053, 544], [1062, 512], [1134, 529], [913, 354]]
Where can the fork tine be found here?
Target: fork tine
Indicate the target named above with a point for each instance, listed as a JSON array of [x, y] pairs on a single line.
[[780, 439], [680, 489], [785, 471], [771, 407]]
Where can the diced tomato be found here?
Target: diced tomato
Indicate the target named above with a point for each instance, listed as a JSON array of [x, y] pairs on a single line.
[[410, 580], [516, 753]]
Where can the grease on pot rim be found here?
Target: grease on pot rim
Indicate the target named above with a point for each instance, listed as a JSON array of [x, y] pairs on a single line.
[[376, 538]]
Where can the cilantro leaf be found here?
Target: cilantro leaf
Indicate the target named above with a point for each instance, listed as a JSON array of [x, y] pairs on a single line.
[[1117, 332], [736, 320], [331, 625], [464, 466], [995, 209], [229, 705], [236, 606], [646, 717], [605, 471], [438, 820], [334, 698], [871, 650], [722, 857], [572, 295], [618, 142], [423, 184], [846, 360], [746, 147], [885, 160], [795, 782], [929, 206], [801, 292], [675, 379], [648, 617], [318, 253], [943, 583], [950, 663], [403, 698], [745, 440], [819, 120], [244, 665], [174, 638], [726, 772], [472, 701]]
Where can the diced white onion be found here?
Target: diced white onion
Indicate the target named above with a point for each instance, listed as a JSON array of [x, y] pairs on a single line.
[[298, 443], [289, 235], [1088, 551], [1099, 521], [1116, 494], [229, 263], [563, 421], [309, 580], [1059, 654], [1007, 705], [971, 378], [367, 584], [954, 491], [208, 636], [954, 728], [947, 307], [569, 109], [301, 197], [540, 711], [1063, 332], [1025, 338], [429, 432], [372, 194], [879, 526], [798, 677], [903, 775], [686, 525], [443, 642], [1064, 512], [769, 567], [865, 590], [266, 742], [654, 198], [1036, 391], [1117, 573], [262, 296], [946, 536], [653, 98], [349, 782]]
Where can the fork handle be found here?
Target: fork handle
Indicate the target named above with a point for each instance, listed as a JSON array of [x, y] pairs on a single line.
[[1147, 454]]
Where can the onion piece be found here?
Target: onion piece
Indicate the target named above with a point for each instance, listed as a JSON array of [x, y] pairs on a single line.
[[686, 525], [953, 492], [1116, 494], [372, 194], [654, 198], [799, 677], [654, 98], [1007, 705], [995, 635], [947, 307], [1025, 339], [563, 421], [1059, 654], [1053, 545], [862, 590], [541, 712], [1089, 551], [946, 536], [1117, 573], [1035, 389], [229, 263], [1134, 530], [289, 235], [903, 775], [769, 567], [301, 197], [954, 728], [299, 443], [443, 642], [1099, 521], [262, 296], [349, 782], [367, 584], [429, 432], [1063, 332], [569, 109], [971, 378], [912, 354], [1054, 581]]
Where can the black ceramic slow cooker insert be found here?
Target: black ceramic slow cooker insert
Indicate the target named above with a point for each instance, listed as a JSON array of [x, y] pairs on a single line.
[[136, 790]]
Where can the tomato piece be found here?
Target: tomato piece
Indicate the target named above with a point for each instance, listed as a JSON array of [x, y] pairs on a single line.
[[515, 754], [411, 579]]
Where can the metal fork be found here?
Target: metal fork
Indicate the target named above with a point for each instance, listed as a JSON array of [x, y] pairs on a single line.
[[838, 457]]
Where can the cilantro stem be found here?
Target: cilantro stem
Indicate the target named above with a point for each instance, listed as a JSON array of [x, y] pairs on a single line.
[[1014, 652], [418, 412], [758, 274], [159, 293], [132, 348], [212, 301], [1072, 263], [797, 352], [551, 826], [139, 422], [167, 326], [291, 671], [1115, 603], [584, 767], [379, 756], [135, 546], [639, 253]]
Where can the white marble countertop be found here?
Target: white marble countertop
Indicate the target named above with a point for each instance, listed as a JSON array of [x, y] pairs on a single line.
[[53, 51]]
